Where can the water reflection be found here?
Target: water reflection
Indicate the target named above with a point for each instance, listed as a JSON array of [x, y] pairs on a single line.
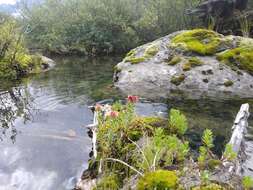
[[44, 117], [14, 103]]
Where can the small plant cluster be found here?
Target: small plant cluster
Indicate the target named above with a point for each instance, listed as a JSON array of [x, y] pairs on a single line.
[[150, 149]]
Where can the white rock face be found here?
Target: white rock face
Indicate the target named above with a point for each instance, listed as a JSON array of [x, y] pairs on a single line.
[[152, 78]]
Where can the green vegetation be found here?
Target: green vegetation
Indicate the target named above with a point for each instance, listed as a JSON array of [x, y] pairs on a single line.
[[229, 154], [177, 80], [177, 122], [102, 27], [159, 180], [228, 83], [108, 182], [200, 41], [192, 62], [151, 51], [144, 148], [175, 60], [247, 182], [135, 60], [15, 61], [161, 147], [240, 57]]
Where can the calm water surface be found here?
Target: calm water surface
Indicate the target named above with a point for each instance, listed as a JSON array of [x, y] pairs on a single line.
[[44, 145]]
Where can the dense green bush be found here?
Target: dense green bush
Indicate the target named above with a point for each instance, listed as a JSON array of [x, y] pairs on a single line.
[[102, 26], [15, 60]]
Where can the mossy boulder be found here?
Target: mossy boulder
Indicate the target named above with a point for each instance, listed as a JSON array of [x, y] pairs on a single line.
[[189, 64]]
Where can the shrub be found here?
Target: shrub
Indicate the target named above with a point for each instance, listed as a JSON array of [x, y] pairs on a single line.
[[159, 180], [161, 150], [177, 122]]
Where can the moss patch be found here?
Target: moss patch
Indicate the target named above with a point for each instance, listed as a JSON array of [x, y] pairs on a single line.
[[186, 67], [175, 60], [131, 57], [228, 83], [134, 60], [200, 41], [177, 80], [159, 180], [239, 58], [151, 51], [192, 62]]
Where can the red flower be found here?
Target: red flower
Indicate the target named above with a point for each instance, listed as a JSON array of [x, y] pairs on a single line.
[[98, 107], [114, 114], [132, 99]]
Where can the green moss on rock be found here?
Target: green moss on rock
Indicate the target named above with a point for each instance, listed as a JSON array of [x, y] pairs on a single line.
[[175, 60], [192, 62], [200, 41], [177, 80], [135, 60], [228, 83], [186, 67], [159, 180], [151, 51], [239, 58]]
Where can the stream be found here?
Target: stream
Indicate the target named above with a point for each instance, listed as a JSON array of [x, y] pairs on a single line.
[[44, 143]]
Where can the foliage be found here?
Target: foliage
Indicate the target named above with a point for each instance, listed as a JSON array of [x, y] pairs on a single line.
[[206, 158], [110, 181], [177, 122], [247, 182], [229, 154], [240, 57], [14, 58], [201, 41], [159, 180], [207, 139], [161, 150], [102, 26]]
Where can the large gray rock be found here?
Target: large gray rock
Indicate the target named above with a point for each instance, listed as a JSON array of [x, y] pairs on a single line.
[[152, 77]]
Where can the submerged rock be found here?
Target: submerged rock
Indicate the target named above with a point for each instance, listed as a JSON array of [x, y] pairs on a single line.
[[190, 64]]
